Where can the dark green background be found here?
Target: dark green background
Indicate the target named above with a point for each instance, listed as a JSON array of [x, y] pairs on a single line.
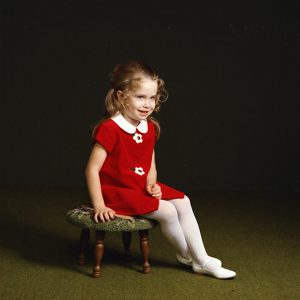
[[231, 121]]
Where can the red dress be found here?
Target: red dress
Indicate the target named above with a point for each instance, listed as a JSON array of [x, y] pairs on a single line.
[[124, 172]]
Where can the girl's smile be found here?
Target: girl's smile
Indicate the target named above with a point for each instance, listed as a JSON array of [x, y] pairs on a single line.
[[143, 112]]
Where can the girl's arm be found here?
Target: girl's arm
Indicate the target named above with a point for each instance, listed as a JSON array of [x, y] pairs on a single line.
[[152, 175], [94, 165], [151, 186]]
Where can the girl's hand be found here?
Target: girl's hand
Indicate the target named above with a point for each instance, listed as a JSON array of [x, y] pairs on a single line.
[[104, 214], [154, 190]]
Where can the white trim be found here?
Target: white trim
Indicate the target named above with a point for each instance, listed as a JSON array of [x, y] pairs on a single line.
[[129, 128]]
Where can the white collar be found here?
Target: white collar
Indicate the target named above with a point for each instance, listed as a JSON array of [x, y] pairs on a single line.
[[125, 125]]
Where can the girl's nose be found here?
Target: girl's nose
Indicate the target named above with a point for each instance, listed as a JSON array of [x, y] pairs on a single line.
[[146, 103]]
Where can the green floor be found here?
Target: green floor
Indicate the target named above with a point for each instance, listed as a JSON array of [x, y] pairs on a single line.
[[257, 235]]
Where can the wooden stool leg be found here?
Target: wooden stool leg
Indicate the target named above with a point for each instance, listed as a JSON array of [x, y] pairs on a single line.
[[99, 250], [144, 246], [126, 241], [84, 240]]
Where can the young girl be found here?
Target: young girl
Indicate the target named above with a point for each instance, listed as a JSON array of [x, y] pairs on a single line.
[[121, 173]]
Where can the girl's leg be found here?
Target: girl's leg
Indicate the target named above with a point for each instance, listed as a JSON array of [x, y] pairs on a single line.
[[202, 263], [167, 216], [180, 227], [190, 229]]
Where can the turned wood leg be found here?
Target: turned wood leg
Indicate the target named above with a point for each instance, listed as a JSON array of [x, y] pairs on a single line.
[[84, 240], [99, 250], [144, 246], [126, 241]]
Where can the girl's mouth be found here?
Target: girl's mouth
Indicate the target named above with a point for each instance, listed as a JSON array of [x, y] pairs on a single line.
[[144, 112]]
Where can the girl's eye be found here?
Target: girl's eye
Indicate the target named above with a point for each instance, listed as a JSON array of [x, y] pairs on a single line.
[[140, 97]]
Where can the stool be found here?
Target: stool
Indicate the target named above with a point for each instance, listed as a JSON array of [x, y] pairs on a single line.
[[82, 216]]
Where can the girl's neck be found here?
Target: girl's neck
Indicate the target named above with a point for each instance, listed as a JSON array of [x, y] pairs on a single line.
[[131, 120]]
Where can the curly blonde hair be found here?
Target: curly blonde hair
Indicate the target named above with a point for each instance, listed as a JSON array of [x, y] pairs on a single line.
[[126, 77]]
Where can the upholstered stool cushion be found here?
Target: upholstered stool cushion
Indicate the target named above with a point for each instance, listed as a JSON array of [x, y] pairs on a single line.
[[82, 216]]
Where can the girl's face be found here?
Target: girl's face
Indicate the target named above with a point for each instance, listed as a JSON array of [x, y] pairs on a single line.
[[140, 102]]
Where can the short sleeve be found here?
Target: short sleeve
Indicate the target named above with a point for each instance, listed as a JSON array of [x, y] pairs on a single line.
[[106, 135]]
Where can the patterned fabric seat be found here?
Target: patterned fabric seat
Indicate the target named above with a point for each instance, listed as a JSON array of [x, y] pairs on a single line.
[[82, 216]]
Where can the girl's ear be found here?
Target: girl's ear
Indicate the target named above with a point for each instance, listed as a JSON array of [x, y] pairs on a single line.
[[121, 97]]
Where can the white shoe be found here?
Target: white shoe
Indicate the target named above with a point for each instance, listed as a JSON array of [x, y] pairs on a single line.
[[214, 270], [189, 261]]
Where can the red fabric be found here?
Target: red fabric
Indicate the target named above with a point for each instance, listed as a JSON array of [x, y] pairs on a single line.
[[122, 187]]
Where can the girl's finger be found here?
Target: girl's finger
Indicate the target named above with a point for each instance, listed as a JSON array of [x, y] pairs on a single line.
[[109, 209], [112, 215], [157, 186], [158, 195], [149, 188], [155, 189], [96, 217], [106, 216], [101, 217]]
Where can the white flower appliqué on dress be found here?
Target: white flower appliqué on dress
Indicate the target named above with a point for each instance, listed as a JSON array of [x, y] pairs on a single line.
[[138, 138], [138, 171]]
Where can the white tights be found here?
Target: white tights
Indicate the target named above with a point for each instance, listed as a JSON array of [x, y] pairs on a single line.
[[180, 227]]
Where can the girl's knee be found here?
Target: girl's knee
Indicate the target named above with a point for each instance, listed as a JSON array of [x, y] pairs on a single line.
[[168, 210], [183, 205], [186, 199]]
